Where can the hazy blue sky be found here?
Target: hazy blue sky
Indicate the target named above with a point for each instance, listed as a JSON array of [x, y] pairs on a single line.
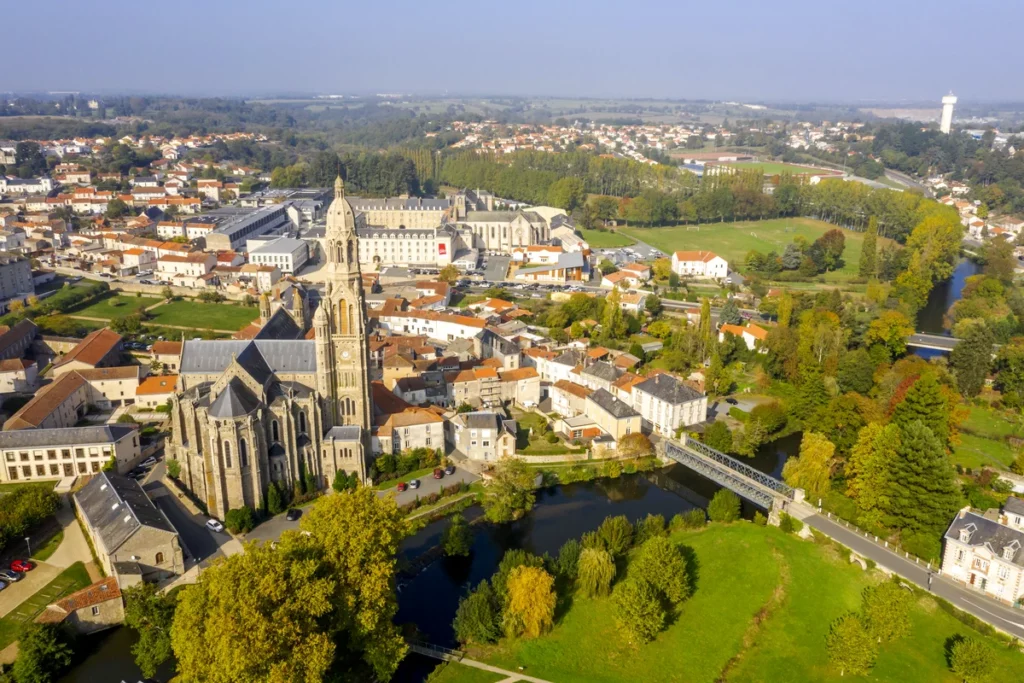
[[721, 49]]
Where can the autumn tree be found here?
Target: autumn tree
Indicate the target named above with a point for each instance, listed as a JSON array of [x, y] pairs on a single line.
[[449, 274], [660, 563], [812, 468], [150, 614], [510, 494], [850, 647], [635, 445], [639, 610], [869, 470], [530, 605], [890, 331], [595, 572], [885, 610]]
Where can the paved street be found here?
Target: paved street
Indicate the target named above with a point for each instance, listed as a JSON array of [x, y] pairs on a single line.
[[428, 485], [1005, 618]]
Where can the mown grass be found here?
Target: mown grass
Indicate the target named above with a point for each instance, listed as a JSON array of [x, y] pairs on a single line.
[[984, 439], [74, 578], [195, 314], [452, 672], [116, 306], [601, 239]]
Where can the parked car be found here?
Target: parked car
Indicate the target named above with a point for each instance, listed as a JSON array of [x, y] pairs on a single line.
[[2, 585], [214, 525], [148, 462], [22, 566], [10, 576], [401, 486], [438, 473], [414, 483], [732, 401], [293, 514], [450, 470]]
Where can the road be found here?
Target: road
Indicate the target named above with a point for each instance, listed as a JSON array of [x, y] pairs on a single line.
[[1003, 617], [907, 181], [429, 485]]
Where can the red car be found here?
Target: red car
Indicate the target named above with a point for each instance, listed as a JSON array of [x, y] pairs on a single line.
[[402, 486], [438, 473], [22, 566]]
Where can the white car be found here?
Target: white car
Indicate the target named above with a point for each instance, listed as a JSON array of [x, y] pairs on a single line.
[[214, 525]]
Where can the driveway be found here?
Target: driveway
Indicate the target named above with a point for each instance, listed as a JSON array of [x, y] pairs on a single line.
[[17, 593], [428, 485]]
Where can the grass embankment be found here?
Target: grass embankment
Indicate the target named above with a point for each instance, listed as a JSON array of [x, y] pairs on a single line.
[[602, 239], [774, 167], [762, 605], [43, 552], [984, 439], [452, 672], [74, 578], [732, 241], [116, 305]]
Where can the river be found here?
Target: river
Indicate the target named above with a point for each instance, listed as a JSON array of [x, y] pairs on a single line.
[[429, 600], [931, 319]]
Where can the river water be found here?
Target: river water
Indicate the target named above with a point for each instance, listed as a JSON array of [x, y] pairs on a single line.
[[429, 600], [931, 318]]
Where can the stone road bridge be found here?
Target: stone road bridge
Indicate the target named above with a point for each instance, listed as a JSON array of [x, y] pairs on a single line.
[[754, 485]]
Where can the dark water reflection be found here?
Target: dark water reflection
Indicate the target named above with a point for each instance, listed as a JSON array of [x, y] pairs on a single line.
[[943, 295]]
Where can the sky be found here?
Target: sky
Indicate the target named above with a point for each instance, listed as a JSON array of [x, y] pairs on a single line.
[[751, 50]]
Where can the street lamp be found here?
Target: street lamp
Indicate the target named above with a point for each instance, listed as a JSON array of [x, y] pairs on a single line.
[[28, 542]]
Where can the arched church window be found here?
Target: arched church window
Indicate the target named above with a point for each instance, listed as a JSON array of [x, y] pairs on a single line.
[[159, 559], [352, 317], [227, 454], [243, 453], [302, 421], [274, 434], [351, 257]]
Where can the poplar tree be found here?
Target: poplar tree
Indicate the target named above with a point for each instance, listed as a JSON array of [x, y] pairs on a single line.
[[869, 250]]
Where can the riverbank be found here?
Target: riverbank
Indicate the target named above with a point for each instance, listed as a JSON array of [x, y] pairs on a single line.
[[760, 611]]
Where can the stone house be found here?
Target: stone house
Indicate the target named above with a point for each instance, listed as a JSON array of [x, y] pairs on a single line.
[[484, 436], [94, 608], [984, 551]]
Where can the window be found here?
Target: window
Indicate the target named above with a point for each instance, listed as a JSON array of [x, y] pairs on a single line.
[[227, 454], [959, 556], [1004, 573], [159, 558], [243, 453], [273, 431], [302, 421], [95, 611]]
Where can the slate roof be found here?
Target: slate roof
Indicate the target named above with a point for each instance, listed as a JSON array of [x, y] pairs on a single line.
[[28, 438], [345, 433], [603, 371], [24, 328], [612, 405], [572, 358], [1014, 506], [263, 355], [280, 326], [668, 389], [988, 533], [234, 401], [116, 507]]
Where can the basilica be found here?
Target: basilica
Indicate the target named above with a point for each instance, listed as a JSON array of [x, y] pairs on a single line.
[[280, 406]]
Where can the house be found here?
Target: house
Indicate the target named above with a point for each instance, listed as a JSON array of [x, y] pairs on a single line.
[[569, 267], [125, 526], [985, 552], [623, 279], [699, 264], [568, 399], [641, 270], [615, 418], [667, 403], [46, 454], [484, 436], [632, 302], [17, 375], [15, 341], [168, 354], [752, 335], [101, 348], [94, 608], [155, 391], [411, 428]]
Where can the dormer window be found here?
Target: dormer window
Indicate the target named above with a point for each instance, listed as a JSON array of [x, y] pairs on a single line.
[[1010, 550], [967, 532]]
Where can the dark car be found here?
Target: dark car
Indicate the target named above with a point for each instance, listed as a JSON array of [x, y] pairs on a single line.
[[22, 566], [450, 470], [732, 401], [438, 473], [293, 514], [9, 576]]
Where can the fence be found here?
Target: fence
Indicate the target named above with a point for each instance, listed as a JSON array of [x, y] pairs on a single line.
[[892, 547]]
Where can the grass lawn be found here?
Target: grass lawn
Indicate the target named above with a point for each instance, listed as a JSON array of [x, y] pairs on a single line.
[[535, 444], [116, 306], [732, 241], [606, 240], [760, 611], [452, 672], [43, 552], [68, 581], [204, 316], [983, 439], [773, 167], [47, 485]]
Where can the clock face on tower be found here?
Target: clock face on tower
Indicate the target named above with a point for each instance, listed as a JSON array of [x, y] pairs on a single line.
[[344, 354]]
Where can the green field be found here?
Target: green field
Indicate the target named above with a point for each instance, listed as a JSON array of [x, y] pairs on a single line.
[[194, 314], [732, 241], [773, 167], [116, 306], [760, 612], [451, 672], [599, 239], [74, 578], [983, 439]]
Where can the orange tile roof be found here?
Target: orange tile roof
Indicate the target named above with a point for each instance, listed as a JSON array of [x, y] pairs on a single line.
[[518, 374], [577, 390], [157, 384], [756, 332], [45, 402], [162, 348], [735, 330], [701, 255], [93, 348], [102, 374]]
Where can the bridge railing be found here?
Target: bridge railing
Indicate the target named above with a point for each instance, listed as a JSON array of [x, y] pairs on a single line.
[[746, 470]]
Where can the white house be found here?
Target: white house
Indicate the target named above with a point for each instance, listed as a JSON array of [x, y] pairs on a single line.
[[702, 264], [986, 554], [666, 404]]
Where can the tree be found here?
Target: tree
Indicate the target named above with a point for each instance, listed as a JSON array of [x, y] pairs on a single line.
[[116, 208], [167, 293], [567, 193], [717, 436], [730, 313], [890, 331], [449, 274], [613, 323], [660, 564], [924, 402], [1009, 368], [173, 468], [509, 561], [812, 396], [275, 501], [343, 482], [149, 613], [530, 606], [811, 470], [869, 471], [605, 207], [886, 611], [43, 653], [705, 328], [567, 563], [850, 648], [457, 538], [841, 420], [476, 620], [606, 267], [923, 495], [868, 266], [635, 445], [724, 506], [972, 359], [970, 659], [792, 256], [616, 535], [638, 610], [856, 371], [785, 312], [510, 495], [595, 572], [653, 305], [649, 527], [240, 520], [831, 245]]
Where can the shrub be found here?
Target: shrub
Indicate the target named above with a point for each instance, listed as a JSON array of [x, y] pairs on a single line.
[[595, 572], [923, 545], [567, 563], [616, 534], [660, 564], [724, 506], [639, 610], [694, 519], [969, 659], [759, 519], [457, 538], [275, 500], [240, 520], [173, 468], [476, 620], [649, 527], [677, 522], [611, 469], [738, 415], [790, 525], [771, 415], [551, 438]]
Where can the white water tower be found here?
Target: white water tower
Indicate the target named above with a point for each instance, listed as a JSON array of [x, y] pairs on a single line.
[[947, 112]]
